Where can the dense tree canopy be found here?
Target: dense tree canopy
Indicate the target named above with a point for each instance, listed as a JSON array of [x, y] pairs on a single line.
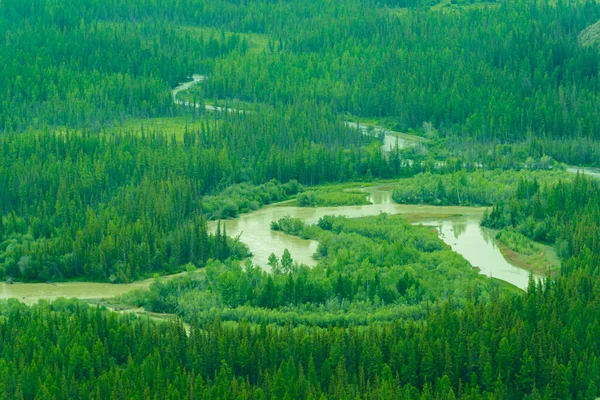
[[93, 187]]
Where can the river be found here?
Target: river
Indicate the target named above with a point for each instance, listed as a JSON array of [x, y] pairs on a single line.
[[389, 138], [588, 171], [462, 232], [30, 293], [196, 78]]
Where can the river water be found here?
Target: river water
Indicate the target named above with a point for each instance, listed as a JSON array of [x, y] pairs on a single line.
[[462, 232], [478, 245], [30, 293], [591, 172], [185, 86], [390, 139], [196, 78]]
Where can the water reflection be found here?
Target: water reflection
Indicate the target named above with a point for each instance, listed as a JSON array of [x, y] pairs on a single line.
[[458, 229], [488, 235], [478, 246]]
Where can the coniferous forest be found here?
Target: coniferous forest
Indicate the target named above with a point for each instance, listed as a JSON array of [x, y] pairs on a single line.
[[135, 136]]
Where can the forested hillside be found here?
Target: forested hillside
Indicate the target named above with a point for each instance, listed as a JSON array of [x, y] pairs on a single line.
[[566, 214], [509, 78], [111, 170], [87, 63], [511, 70]]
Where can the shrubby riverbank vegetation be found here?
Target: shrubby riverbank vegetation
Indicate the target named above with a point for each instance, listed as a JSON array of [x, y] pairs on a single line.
[[554, 214], [332, 198], [500, 189], [104, 177], [77, 198], [524, 252], [471, 188], [537, 344], [370, 269]]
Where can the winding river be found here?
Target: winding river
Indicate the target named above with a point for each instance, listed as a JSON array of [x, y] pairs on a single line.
[[196, 78], [389, 138], [462, 232]]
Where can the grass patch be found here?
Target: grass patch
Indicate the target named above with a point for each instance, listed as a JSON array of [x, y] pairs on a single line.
[[449, 5], [418, 217], [590, 36], [170, 126], [523, 252], [256, 42], [332, 198]]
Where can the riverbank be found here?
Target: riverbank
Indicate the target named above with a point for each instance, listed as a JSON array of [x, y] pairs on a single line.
[[30, 293], [543, 262]]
